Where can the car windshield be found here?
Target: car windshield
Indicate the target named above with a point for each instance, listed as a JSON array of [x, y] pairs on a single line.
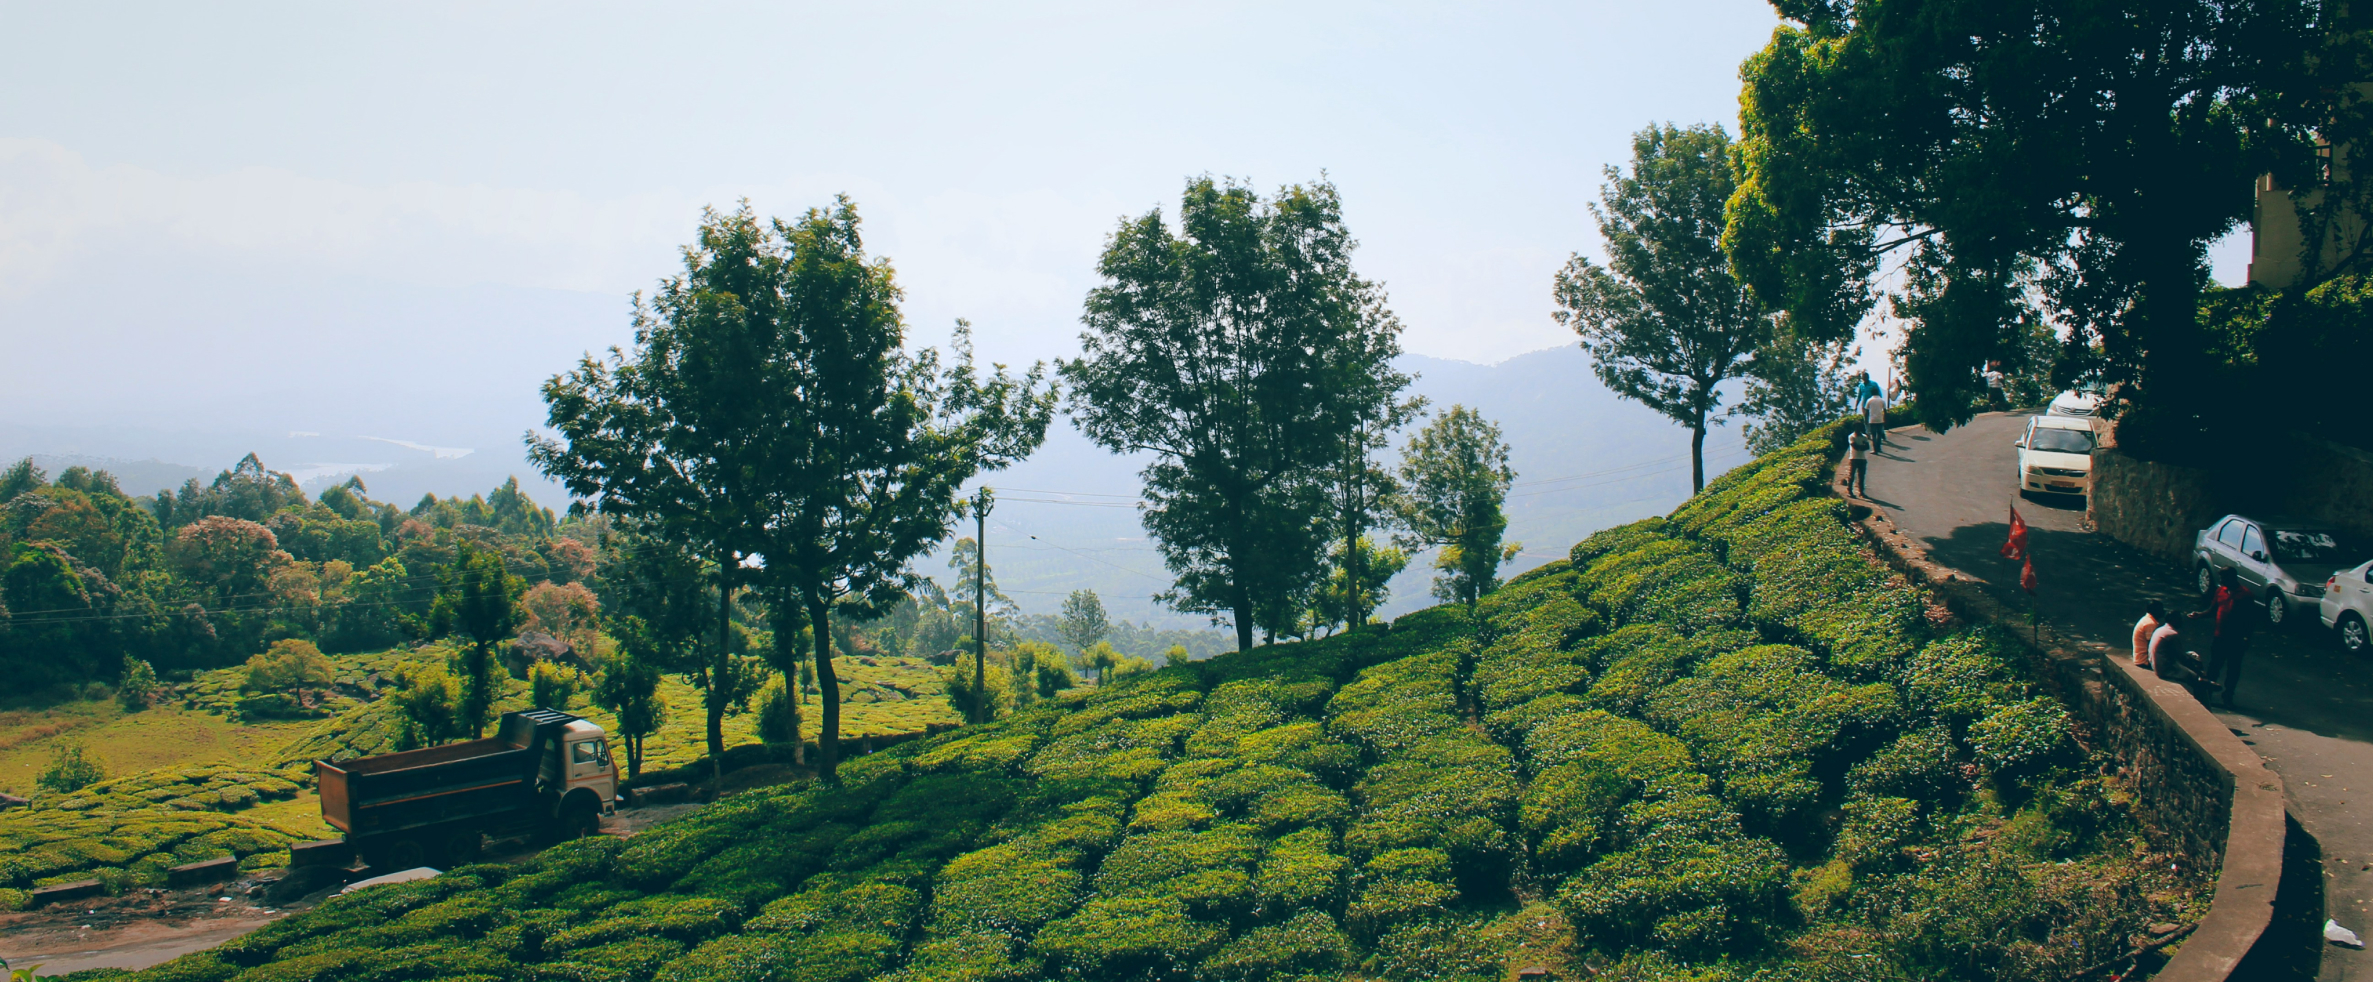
[[2313, 546], [2061, 441]]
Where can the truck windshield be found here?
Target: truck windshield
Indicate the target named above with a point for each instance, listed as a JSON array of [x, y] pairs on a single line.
[[2313, 546], [2053, 440]]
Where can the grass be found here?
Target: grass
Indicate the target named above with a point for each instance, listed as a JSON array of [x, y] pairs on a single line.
[[129, 743]]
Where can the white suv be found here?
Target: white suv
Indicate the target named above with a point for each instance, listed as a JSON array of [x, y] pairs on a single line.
[[2347, 606], [2056, 456]]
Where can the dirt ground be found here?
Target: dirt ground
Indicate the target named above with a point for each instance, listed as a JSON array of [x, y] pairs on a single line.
[[150, 927]]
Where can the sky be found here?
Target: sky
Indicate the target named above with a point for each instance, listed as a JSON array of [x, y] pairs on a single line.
[[224, 224]]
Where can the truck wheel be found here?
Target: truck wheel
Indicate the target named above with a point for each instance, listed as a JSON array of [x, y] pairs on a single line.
[[404, 854], [462, 847], [579, 818]]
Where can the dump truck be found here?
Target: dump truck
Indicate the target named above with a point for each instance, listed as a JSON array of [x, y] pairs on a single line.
[[544, 773]]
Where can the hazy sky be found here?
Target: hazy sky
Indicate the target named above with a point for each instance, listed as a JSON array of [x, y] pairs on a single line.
[[340, 216]]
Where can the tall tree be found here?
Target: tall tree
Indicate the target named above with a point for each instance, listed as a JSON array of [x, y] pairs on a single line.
[[628, 686], [1237, 350], [1456, 475], [1664, 322], [1084, 622], [863, 475], [481, 599], [676, 435], [666, 605], [2069, 160]]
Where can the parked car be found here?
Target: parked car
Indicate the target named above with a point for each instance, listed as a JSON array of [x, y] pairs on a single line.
[[2084, 400], [2347, 606], [2056, 456], [2284, 562]]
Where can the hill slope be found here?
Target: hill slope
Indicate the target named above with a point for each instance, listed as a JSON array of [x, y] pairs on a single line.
[[1723, 745]]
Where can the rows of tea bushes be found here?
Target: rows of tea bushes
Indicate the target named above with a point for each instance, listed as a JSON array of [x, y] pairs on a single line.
[[126, 832], [358, 679], [1721, 745]]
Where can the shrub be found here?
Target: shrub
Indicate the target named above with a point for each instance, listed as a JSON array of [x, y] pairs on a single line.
[[71, 768], [1125, 936], [2021, 736]]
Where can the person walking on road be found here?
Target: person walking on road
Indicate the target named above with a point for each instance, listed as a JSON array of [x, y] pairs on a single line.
[[2154, 616], [1857, 465], [1874, 419], [2235, 620]]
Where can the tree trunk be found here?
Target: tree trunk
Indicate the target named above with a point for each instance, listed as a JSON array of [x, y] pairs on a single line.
[[1243, 612], [979, 710], [634, 757], [1697, 456], [720, 670], [828, 691]]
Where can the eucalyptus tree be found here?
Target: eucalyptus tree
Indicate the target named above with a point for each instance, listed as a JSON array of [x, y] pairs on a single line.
[[2028, 162], [877, 442], [1238, 349], [675, 434], [1664, 322], [1455, 478]]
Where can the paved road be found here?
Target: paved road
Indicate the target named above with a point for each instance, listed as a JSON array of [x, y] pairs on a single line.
[[2305, 705]]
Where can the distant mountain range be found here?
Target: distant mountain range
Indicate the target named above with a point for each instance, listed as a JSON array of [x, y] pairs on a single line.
[[1066, 518]]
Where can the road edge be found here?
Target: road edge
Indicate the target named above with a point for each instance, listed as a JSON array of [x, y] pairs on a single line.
[[2250, 851]]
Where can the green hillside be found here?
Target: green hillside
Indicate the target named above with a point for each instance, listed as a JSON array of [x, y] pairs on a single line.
[[1723, 745]]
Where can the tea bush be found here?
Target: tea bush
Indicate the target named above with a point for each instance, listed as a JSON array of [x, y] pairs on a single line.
[[1721, 745]]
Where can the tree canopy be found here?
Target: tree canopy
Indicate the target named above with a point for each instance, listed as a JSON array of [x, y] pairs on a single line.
[[2023, 161], [1239, 349], [1664, 322]]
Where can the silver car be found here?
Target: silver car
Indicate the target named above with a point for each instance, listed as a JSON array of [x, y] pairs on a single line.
[[2348, 605], [2282, 562]]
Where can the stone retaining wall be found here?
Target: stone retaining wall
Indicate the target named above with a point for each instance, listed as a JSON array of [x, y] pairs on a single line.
[[2157, 507], [2200, 792], [2151, 506]]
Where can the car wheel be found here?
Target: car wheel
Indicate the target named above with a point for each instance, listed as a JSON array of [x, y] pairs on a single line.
[[2353, 636], [2277, 610], [2205, 579]]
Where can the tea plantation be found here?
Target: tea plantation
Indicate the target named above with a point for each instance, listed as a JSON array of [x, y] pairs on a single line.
[[127, 832], [1722, 745]]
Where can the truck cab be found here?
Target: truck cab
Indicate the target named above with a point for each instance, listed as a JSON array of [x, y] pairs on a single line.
[[582, 765]]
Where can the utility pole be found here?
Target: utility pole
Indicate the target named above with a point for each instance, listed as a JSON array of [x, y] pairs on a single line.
[[981, 502]]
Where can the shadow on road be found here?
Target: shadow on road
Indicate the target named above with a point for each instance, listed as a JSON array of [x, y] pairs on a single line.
[[2092, 588]]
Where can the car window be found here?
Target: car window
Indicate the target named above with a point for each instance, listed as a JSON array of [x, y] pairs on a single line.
[[2230, 535], [2057, 440], [585, 752], [2312, 546], [2252, 543]]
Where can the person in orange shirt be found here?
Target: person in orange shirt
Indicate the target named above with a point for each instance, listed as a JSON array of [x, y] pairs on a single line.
[[2153, 615]]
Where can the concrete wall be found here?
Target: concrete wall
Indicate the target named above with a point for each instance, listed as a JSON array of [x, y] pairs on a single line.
[[2156, 507]]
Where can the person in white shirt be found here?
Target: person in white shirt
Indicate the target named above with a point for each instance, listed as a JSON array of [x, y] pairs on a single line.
[[2145, 629], [1874, 420], [1858, 466]]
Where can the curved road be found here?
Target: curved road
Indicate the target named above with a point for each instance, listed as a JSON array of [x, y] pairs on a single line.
[[2306, 706]]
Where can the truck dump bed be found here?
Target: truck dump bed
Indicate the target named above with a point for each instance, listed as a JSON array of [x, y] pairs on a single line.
[[433, 784]]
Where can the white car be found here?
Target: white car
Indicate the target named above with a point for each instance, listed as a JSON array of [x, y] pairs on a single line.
[[2084, 400], [2348, 605], [2056, 456]]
